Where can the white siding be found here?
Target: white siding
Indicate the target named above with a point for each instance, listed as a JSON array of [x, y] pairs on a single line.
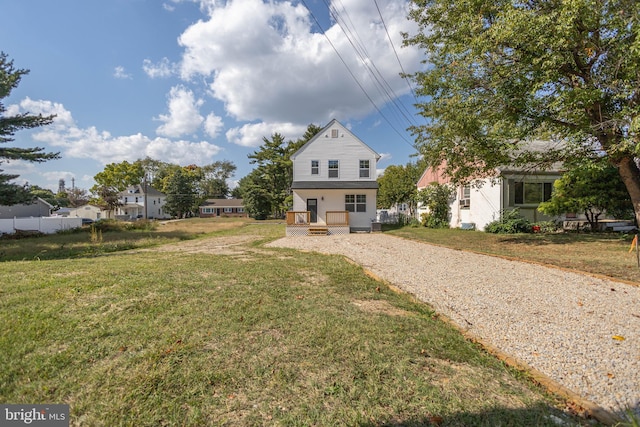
[[346, 148]]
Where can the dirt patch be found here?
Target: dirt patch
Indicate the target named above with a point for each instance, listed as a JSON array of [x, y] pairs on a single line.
[[379, 307], [227, 245], [198, 225]]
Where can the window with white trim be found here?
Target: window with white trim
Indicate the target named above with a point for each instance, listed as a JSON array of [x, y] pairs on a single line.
[[315, 167], [364, 169], [334, 169], [334, 133], [355, 202]]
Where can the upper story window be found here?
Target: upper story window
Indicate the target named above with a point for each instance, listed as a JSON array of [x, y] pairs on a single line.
[[334, 133], [364, 169], [315, 167], [334, 169]]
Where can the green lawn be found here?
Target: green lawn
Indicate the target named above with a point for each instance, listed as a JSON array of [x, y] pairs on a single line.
[[257, 337]]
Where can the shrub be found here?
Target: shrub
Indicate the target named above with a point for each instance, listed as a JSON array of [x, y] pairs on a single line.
[[436, 198], [432, 221], [143, 224], [510, 222]]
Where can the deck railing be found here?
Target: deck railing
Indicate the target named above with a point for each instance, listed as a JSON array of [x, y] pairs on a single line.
[[298, 217], [337, 217], [304, 218]]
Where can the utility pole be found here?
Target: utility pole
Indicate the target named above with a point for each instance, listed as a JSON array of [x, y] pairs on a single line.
[[145, 195]]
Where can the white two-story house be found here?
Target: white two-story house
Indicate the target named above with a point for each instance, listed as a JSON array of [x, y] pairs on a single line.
[[135, 203], [334, 184]]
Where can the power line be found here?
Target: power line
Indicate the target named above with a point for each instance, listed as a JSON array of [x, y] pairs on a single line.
[[382, 85], [404, 73], [353, 75]]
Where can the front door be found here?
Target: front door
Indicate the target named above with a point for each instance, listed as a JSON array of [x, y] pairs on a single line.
[[312, 207]]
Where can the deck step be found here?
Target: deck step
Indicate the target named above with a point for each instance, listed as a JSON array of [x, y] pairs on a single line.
[[318, 231]]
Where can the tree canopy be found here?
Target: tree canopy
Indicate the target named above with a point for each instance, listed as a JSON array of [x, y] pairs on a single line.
[[593, 189], [501, 72], [398, 185], [186, 187], [11, 193]]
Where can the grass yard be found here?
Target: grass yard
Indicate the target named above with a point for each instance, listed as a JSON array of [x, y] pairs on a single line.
[[252, 336], [598, 253]]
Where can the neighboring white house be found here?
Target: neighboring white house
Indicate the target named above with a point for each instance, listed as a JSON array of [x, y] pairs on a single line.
[[476, 206], [135, 204], [334, 183]]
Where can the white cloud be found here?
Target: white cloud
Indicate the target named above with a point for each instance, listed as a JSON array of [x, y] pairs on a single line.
[[265, 63], [163, 68], [90, 143], [213, 125], [46, 108], [183, 117], [250, 135], [120, 73]]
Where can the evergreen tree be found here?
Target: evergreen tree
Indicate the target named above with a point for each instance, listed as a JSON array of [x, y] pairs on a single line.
[[11, 193]]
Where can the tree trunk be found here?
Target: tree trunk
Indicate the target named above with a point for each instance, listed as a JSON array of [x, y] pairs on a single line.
[[630, 175]]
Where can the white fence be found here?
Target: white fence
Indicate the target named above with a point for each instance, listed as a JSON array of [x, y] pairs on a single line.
[[44, 224]]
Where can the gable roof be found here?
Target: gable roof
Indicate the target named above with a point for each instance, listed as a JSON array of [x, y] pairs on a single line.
[[535, 146], [139, 189], [223, 203], [323, 132]]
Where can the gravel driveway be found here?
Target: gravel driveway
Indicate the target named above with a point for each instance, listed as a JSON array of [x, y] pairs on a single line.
[[582, 332]]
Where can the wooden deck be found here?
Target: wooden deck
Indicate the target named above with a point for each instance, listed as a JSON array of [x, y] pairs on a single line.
[[299, 224]]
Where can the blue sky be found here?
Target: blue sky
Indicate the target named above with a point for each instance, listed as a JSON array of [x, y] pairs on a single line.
[[197, 81]]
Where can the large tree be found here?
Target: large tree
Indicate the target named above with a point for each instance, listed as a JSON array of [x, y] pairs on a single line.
[[115, 178], [11, 193], [180, 192], [215, 176], [398, 185], [500, 72]]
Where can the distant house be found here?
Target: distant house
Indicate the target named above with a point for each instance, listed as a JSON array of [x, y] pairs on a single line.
[[475, 206], [36, 208], [88, 212], [135, 203], [334, 184], [212, 208]]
